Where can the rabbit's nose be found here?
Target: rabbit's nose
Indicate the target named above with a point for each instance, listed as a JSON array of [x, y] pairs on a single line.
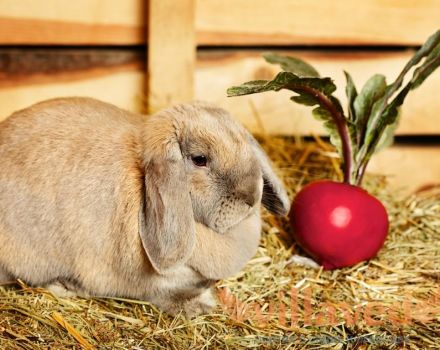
[[250, 194], [251, 198]]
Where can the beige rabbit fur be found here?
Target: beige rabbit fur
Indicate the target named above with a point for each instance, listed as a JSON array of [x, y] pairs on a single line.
[[104, 202]]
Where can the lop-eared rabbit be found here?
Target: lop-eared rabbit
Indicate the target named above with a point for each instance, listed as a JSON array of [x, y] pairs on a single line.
[[98, 201]]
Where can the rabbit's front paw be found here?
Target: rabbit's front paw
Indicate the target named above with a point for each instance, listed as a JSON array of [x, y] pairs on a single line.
[[66, 289], [201, 304], [60, 290]]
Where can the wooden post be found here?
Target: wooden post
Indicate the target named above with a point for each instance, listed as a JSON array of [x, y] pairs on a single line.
[[171, 53]]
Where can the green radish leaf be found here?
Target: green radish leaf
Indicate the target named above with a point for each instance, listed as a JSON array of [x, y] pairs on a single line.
[[285, 80], [324, 115], [371, 92], [386, 110], [429, 48], [431, 63], [310, 92], [389, 117], [306, 100], [387, 137], [351, 92], [292, 64]]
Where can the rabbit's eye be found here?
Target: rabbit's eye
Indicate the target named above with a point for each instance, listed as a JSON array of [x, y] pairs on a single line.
[[199, 160]]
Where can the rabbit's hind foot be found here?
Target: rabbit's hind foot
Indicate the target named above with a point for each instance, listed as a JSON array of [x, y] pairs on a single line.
[[201, 304]]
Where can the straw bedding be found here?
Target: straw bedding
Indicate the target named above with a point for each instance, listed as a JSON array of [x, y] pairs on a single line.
[[390, 302]]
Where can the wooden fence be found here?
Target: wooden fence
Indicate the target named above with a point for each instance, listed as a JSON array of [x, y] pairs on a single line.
[[198, 48]]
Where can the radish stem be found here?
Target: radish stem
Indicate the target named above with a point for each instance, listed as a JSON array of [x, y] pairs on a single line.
[[341, 125]]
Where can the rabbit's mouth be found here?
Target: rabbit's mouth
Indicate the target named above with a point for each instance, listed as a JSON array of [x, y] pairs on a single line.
[[227, 219]]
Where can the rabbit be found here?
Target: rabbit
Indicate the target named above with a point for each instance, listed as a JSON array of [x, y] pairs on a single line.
[[99, 201]]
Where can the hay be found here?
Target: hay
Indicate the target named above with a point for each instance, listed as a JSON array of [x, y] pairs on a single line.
[[272, 303]]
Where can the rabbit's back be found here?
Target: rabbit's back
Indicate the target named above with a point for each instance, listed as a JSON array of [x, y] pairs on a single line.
[[69, 177]]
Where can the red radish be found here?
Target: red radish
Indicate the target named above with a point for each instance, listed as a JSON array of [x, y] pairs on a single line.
[[340, 224]]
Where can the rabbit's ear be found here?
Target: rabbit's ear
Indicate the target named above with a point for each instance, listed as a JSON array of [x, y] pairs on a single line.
[[166, 219], [274, 195]]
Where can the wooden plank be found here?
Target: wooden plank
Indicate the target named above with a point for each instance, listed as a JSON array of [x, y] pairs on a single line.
[[31, 75], [409, 167], [37, 66], [28, 31], [218, 70], [224, 22], [79, 22], [122, 86], [127, 12], [299, 22], [171, 53]]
